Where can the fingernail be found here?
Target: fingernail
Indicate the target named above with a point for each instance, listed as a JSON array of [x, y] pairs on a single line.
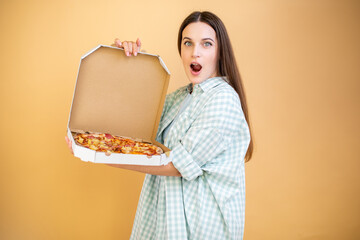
[[135, 54]]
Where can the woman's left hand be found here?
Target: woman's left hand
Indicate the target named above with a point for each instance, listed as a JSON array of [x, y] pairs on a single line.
[[68, 142]]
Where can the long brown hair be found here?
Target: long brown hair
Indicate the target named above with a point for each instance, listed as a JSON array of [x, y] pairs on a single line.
[[227, 64]]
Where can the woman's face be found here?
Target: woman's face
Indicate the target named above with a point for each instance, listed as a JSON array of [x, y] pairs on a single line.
[[199, 49]]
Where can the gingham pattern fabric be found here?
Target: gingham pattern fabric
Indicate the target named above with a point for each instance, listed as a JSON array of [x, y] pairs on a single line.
[[209, 140]]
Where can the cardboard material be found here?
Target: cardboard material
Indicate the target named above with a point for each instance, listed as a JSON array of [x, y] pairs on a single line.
[[120, 95]]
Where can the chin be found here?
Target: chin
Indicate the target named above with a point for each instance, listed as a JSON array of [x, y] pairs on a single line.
[[197, 79]]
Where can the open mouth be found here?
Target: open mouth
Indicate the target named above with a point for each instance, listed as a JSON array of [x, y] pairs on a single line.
[[195, 67]]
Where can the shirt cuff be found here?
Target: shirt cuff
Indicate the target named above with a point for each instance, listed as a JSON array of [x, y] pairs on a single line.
[[185, 164]]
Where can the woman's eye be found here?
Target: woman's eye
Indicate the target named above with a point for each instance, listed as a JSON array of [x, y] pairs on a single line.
[[187, 43], [207, 44]]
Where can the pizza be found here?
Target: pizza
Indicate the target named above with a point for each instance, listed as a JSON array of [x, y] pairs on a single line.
[[108, 143]]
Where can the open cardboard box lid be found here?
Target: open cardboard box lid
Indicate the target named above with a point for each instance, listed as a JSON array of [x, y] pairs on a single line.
[[120, 95]]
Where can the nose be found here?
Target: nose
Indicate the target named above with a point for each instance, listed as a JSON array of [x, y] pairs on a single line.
[[196, 52]]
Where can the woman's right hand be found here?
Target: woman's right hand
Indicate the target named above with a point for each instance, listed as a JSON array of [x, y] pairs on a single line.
[[129, 46]]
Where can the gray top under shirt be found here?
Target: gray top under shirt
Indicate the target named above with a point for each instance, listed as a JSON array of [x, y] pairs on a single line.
[[184, 105]]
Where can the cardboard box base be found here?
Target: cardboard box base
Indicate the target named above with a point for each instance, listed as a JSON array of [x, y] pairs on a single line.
[[88, 155]]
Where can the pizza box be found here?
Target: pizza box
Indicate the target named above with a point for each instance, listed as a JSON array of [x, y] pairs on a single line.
[[120, 95]]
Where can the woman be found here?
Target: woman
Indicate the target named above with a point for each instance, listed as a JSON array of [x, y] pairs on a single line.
[[201, 193]]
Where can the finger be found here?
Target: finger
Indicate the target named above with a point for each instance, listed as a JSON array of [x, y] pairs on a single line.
[[68, 141], [138, 43], [135, 49], [118, 43], [126, 48], [130, 45]]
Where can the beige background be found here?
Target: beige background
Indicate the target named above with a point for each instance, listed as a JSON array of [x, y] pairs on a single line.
[[300, 66]]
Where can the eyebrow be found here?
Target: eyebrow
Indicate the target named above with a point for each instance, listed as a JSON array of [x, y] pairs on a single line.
[[201, 39]]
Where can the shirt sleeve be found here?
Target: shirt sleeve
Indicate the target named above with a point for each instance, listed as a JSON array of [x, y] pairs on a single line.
[[208, 135]]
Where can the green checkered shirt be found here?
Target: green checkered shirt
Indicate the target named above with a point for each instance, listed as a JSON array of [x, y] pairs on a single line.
[[209, 140]]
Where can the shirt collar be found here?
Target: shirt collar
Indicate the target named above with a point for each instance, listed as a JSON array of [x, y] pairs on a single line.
[[206, 85], [211, 83]]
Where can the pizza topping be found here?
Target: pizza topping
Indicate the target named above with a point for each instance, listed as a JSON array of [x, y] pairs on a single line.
[[109, 136], [93, 147]]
